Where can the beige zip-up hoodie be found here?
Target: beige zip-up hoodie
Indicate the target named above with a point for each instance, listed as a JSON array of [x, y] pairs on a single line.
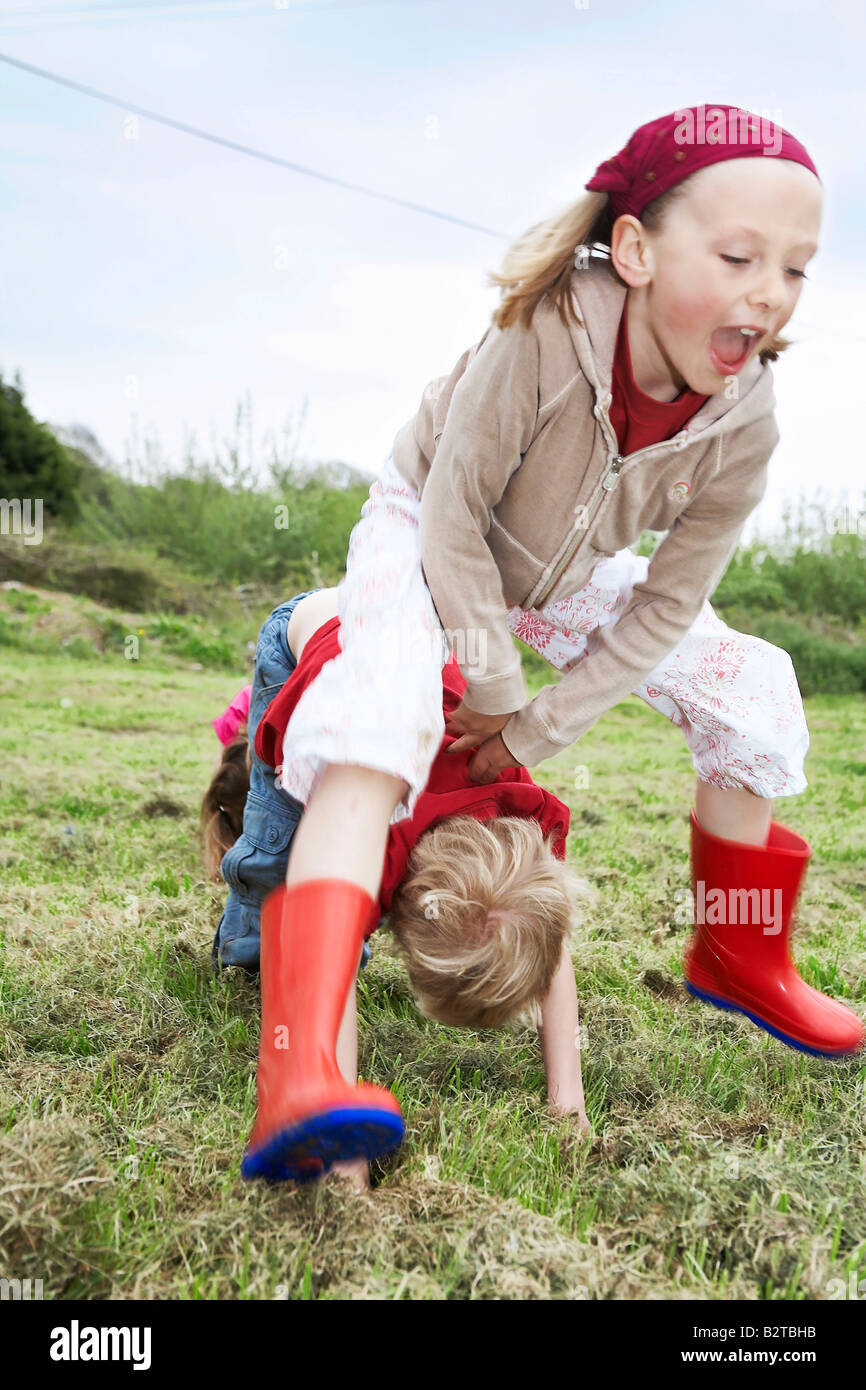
[[523, 491]]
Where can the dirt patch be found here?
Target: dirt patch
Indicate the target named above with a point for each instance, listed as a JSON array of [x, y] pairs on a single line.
[[662, 985], [163, 806]]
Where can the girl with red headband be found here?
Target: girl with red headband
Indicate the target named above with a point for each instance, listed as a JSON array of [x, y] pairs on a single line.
[[623, 385]]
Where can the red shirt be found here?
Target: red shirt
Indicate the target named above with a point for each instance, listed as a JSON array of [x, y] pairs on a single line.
[[449, 791], [637, 419]]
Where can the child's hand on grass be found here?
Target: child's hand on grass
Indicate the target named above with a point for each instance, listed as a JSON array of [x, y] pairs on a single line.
[[355, 1171], [575, 1112]]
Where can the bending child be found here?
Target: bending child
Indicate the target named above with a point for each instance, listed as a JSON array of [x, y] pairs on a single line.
[[476, 890]]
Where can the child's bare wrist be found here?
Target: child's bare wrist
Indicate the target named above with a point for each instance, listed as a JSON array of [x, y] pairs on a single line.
[[566, 1102]]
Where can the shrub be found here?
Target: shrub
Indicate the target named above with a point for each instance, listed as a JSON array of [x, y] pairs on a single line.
[[32, 462]]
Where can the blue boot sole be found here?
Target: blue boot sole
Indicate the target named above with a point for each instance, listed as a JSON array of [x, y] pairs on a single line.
[[767, 1027], [306, 1150]]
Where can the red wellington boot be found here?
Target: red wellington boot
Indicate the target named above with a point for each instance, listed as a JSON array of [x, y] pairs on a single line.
[[309, 1116], [739, 955]]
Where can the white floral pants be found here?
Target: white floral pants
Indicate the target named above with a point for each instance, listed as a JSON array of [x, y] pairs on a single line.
[[379, 702]]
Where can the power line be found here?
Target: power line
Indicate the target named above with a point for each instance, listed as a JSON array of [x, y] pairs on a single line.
[[128, 5], [29, 11], [246, 149], [102, 5], [138, 11]]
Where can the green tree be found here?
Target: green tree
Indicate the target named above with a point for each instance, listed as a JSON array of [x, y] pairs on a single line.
[[32, 462]]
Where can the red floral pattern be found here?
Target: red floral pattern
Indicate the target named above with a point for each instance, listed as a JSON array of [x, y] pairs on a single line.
[[734, 696]]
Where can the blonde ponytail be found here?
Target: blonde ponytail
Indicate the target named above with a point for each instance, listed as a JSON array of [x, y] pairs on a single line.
[[541, 261]]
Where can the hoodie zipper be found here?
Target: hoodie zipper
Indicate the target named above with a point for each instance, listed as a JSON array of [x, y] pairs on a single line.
[[606, 486], [608, 483]]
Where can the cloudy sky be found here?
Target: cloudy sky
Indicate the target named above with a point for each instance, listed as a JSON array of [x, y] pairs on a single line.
[[154, 280]]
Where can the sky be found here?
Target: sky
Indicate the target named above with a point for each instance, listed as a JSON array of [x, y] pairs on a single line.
[[155, 283]]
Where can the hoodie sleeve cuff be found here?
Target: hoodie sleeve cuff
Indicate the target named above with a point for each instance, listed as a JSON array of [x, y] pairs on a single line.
[[497, 694], [527, 738]]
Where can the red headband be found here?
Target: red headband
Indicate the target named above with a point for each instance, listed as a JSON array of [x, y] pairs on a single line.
[[666, 151]]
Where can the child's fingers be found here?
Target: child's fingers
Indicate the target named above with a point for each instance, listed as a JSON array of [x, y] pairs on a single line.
[[482, 773], [482, 768], [491, 759], [467, 730], [466, 727], [465, 741]]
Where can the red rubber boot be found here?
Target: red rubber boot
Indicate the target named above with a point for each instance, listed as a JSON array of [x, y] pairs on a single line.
[[309, 1116], [740, 958]]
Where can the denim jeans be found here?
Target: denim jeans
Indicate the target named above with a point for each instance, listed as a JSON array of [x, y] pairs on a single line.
[[258, 860]]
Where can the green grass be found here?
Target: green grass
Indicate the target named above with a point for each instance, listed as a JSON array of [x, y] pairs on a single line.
[[723, 1165], [47, 623]]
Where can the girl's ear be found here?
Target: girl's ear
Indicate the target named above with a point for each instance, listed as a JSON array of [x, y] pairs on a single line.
[[630, 253]]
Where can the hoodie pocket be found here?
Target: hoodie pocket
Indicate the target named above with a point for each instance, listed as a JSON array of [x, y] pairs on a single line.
[[257, 861], [268, 824], [519, 569]]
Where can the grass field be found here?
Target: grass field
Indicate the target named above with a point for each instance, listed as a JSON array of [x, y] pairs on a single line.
[[722, 1165]]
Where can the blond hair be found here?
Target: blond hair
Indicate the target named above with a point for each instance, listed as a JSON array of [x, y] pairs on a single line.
[[541, 261], [481, 918]]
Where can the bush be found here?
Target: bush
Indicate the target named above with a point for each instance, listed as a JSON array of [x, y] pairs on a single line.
[[827, 577], [178, 545], [32, 462], [129, 580], [824, 665], [220, 525]]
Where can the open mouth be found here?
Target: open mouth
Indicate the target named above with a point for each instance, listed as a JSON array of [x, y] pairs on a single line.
[[731, 346]]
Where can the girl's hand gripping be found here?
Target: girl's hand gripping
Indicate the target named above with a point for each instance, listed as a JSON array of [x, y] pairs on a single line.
[[472, 728]]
